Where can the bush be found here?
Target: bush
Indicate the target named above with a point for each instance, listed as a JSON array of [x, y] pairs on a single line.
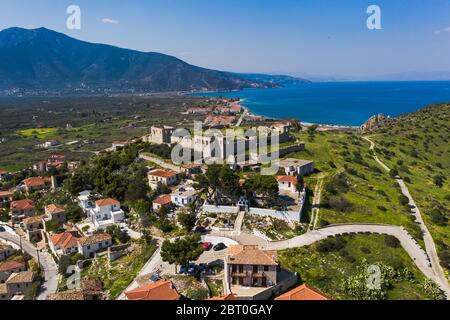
[[382, 208], [365, 250], [437, 217], [197, 293], [331, 245], [393, 173], [404, 201], [392, 241]]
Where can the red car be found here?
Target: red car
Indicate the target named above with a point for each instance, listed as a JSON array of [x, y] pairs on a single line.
[[207, 246]]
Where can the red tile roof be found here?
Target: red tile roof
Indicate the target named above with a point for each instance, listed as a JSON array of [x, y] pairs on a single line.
[[6, 194], [4, 171], [32, 220], [163, 200], [34, 182], [106, 202], [65, 239], [96, 238], [303, 292], [290, 179], [160, 290], [22, 204], [251, 255], [162, 174], [10, 265], [54, 209]]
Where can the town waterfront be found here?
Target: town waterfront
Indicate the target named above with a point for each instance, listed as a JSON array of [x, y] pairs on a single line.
[[341, 103]]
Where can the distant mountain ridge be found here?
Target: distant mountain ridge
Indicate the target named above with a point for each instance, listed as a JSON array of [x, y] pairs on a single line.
[[42, 59]]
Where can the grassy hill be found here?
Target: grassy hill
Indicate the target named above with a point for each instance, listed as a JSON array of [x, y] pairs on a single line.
[[417, 146]]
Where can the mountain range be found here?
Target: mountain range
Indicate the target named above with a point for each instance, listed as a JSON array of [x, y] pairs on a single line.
[[42, 59]]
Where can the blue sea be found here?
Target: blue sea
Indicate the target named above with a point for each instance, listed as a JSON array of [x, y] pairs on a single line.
[[341, 103]]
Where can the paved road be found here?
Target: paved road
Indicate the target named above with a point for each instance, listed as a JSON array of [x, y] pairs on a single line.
[[428, 239], [49, 266]]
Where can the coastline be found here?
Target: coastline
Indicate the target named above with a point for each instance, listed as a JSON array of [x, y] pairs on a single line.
[[321, 126]]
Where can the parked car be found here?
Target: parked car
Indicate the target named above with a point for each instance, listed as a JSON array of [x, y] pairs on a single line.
[[155, 278], [192, 268], [220, 246], [200, 229], [202, 267], [183, 269], [207, 246]]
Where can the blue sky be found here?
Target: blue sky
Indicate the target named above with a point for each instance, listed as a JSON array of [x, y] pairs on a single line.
[[283, 36]]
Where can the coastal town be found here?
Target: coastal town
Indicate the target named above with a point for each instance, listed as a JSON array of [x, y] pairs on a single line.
[[205, 230]]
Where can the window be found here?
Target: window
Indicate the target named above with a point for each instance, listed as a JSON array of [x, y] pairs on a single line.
[[266, 268], [241, 269], [255, 269], [233, 268]]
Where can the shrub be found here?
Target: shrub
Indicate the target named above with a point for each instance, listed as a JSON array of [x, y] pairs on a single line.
[[392, 241], [437, 217], [403, 200], [365, 250], [331, 245], [382, 208], [393, 173]]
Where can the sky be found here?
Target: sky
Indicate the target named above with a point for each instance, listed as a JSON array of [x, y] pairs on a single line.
[[315, 37]]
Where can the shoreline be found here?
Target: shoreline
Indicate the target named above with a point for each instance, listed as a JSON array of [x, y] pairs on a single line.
[[322, 126]]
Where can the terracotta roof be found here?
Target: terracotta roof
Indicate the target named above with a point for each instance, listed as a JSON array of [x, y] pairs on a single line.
[[159, 290], [228, 297], [34, 182], [22, 204], [92, 286], [163, 200], [251, 255], [4, 172], [54, 209], [290, 179], [65, 239], [21, 277], [106, 202], [73, 295], [57, 156], [32, 220], [303, 292], [162, 174], [10, 265], [96, 238], [6, 194]]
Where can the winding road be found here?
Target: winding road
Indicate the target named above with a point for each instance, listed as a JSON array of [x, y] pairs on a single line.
[[430, 247], [48, 265]]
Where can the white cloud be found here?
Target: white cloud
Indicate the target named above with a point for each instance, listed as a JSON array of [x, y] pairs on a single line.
[[109, 21], [442, 30]]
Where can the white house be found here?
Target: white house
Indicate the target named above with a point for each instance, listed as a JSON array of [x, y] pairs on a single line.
[[64, 243], [163, 177], [84, 200], [287, 183], [105, 213], [88, 246], [294, 167], [183, 198]]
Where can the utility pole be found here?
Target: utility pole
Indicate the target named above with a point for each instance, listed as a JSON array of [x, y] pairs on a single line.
[[39, 260]]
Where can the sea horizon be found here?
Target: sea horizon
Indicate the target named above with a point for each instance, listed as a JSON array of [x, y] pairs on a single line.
[[344, 103]]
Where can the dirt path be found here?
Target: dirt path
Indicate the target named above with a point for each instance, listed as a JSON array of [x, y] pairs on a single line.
[[430, 247]]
